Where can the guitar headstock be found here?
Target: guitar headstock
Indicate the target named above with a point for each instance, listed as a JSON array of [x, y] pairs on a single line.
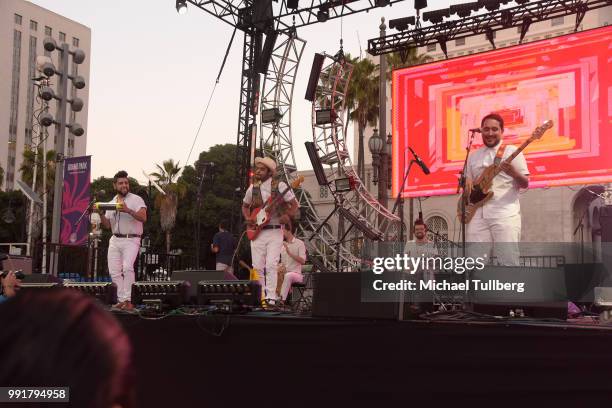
[[540, 130], [296, 183]]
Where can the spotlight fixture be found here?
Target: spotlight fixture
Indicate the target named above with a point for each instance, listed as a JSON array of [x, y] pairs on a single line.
[[325, 116], [401, 24], [344, 184], [323, 14], [436, 16], [293, 4], [420, 4], [490, 5], [181, 6], [521, 1], [465, 9], [270, 115], [382, 3]]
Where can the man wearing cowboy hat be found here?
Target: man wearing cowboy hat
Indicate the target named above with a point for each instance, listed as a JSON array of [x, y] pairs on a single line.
[[266, 248]]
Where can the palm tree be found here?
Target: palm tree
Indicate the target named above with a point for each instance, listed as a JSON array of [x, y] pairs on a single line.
[[27, 169], [362, 101], [166, 177], [396, 60]]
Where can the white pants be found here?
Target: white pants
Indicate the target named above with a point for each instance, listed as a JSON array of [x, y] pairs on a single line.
[[505, 233], [265, 252], [290, 278], [227, 269], [122, 253]]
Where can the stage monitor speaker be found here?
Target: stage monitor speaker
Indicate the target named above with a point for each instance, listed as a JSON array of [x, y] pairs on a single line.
[[315, 71], [544, 294], [266, 52], [234, 292], [169, 293], [338, 294], [192, 278], [105, 292]]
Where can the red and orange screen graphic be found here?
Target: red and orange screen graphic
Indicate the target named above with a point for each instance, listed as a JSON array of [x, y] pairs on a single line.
[[564, 79]]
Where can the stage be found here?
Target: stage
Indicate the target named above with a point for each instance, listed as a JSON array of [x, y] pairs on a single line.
[[274, 359]]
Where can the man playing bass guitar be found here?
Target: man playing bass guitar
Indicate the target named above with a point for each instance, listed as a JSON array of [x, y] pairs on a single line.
[[266, 246], [498, 220]]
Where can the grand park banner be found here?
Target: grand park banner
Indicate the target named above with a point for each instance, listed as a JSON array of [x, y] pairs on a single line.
[[75, 200]]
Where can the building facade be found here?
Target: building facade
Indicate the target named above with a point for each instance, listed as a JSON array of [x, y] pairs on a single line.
[[23, 27], [567, 214]]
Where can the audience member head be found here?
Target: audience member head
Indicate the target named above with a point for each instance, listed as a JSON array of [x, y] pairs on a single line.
[[61, 337]]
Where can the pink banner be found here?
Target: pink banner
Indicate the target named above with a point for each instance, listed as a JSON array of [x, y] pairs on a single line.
[[75, 200]]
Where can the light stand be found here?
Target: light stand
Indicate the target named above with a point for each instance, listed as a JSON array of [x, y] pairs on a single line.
[[399, 201]]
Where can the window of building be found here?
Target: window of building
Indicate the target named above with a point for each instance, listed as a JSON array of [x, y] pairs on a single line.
[[557, 21], [459, 42], [48, 31], [62, 36], [33, 25], [431, 47], [18, 19], [323, 191], [75, 41]]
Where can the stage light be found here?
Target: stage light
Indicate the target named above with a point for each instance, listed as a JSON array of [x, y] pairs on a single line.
[[266, 51], [420, 4], [402, 24], [524, 28], [442, 41], [78, 82], [382, 3], [323, 14], [181, 6], [172, 293], [270, 115], [315, 71], [506, 19], [106, 292], [490, 5], [293, 4], [317, 166], [436, 16], [465, 9], [361, 224], [76, 129], [233, 292], [49, 44], [521, 1], [490, 34], [344, 184], [325, 116], [46, 92], [46, 119]]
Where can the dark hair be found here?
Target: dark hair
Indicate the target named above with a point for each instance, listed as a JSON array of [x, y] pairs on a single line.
[[494, 116], [61, 337], [223, 225], [120, 174], [419, 221]]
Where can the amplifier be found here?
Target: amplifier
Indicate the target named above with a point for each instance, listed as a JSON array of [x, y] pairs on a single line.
[[192, 278], [105, 292], [170, 293], [240, 292]]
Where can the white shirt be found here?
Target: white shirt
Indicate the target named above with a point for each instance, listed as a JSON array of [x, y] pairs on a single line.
[[266, 191], [124, 223], [297, 248], [505, 200]]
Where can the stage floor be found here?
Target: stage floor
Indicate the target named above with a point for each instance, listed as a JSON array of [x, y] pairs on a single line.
[[194, 361]]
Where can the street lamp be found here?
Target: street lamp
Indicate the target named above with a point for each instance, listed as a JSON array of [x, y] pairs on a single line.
[[376, 146]]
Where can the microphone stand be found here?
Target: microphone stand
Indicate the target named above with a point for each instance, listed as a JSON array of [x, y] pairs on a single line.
[[461, 186], [399, 201]]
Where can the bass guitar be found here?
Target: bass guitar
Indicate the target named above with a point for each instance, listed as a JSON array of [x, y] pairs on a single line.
[[482, 188], [263, 214]]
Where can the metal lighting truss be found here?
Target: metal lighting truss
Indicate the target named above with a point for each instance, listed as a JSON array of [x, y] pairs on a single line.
[[518, 16], [333, 152]]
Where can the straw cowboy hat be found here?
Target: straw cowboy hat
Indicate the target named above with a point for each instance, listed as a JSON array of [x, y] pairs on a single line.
[[268, 162]]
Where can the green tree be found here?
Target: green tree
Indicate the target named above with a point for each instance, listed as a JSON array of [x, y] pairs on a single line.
[[362, 101], [1, 177], [167, 177], [48, 164]]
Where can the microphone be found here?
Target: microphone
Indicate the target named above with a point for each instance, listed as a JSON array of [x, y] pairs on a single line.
[[418, 161], [475, 130]]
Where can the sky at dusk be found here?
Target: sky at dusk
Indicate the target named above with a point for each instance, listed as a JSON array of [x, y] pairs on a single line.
[[153, 71]]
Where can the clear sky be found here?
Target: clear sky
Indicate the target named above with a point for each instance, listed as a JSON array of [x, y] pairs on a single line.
[[153, 71]]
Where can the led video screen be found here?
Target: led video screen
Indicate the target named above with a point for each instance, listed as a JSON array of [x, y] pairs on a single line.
[[564, 79]]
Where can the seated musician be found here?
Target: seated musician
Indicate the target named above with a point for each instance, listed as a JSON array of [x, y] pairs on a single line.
[[293, 256]]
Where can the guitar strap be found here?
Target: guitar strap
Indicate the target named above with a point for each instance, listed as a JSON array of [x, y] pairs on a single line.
[[257, 199], [499, 156]]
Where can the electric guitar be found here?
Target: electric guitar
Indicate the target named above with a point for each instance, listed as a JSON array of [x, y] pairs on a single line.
[[263, 214], [481, 190]]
